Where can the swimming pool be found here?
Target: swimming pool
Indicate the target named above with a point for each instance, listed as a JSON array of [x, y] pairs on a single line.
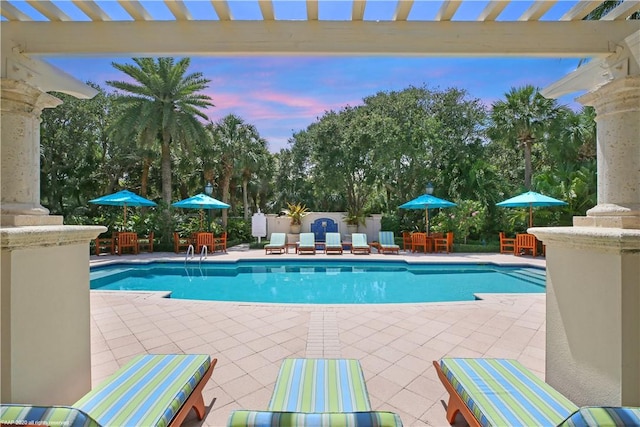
[[326, 282]]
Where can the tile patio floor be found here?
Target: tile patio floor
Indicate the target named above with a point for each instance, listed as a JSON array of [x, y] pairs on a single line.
[[394, 343]]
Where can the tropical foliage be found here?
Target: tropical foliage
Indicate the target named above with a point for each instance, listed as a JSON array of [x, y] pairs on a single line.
[[152, 136]]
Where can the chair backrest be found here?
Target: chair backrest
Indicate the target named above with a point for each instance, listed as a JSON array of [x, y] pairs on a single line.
[[278, 239], [307, 239], [526, 240], [333, 239], [205, 239], [450, 239], [419, 238], [127, 239], [386, 238], [359, 239]]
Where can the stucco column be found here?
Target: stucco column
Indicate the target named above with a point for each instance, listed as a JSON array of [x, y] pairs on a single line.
[[21, 106], [45, 342], [617, 106], [593, 268]]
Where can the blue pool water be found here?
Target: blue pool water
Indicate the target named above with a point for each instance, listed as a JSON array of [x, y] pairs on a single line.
[[326, 282]]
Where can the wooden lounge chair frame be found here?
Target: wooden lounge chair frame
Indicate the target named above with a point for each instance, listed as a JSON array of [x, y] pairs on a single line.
[[307, 249], [272, 248], [365, 248], [456, 404], [384, 248], [333, 249]]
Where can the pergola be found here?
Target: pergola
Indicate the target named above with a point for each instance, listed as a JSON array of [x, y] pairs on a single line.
[[593, 268]]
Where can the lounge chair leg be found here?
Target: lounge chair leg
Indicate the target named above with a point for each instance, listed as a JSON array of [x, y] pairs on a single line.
[[452, 410], [198, 405]]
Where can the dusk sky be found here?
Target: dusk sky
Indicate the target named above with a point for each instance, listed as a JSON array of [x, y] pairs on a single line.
[[282, 95]]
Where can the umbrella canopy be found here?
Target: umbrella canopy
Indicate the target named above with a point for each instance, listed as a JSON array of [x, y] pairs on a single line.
[[201, 201], [123, 198], [530, 199], [426, 202]]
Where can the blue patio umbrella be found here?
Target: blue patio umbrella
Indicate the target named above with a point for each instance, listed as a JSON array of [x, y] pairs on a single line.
[[201, 201], [123, 198], [530, 199], [426, 202]]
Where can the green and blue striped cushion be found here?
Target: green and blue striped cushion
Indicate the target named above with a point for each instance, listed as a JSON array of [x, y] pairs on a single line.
[[148, 391], [596, 416], [502, 392], [386, 239], [278, 419], [320, 385], [45, 415]]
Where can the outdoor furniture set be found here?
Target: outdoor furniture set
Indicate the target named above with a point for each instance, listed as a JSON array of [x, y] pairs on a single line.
[[124, 241], [199, 240], [522, 244]]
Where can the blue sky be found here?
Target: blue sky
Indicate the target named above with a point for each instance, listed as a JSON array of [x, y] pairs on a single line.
[[282, 95]]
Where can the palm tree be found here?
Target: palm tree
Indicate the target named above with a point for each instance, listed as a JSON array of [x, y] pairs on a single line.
[[231, 137], [162, 104], [523, 117], [251, 157]]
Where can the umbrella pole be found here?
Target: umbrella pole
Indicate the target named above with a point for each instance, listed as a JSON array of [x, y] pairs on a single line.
[[124, 224], [530, 216], [427, 219], [200, 219]]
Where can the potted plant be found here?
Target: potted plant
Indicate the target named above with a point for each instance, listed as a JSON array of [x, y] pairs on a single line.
[[353, 220], [296, 212]]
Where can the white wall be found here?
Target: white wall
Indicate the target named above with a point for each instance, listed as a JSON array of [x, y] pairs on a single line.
[[282, 224]]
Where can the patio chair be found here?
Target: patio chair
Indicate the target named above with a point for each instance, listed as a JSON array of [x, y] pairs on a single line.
[[507, 245], [104, 244], [127, 241], [300, 398], [444, 243], [307, 243], [146, 243], [420, 241], [220, 243], [333, 244], [359, 244], [406, 240], [180, 243], [526, 242], [150, 390], [387, 242], [497, 392], [204, 239], [277, 243]]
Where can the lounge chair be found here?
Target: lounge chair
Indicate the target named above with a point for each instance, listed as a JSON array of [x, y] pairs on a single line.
[[359, 244], [387, 243], [300, 397], [497, 392], [307, 243], [151, 390], [333, 243], [276, 244]]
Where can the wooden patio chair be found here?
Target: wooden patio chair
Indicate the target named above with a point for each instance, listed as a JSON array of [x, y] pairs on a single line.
[[127, 241], [146, 243], [180, 243], [104, 244], [406, 241], [444, 243], [204, 239], [220, 243], [526, 242], [419, 240], [507, 244]]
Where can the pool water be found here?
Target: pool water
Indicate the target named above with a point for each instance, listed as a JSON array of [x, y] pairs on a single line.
[[326, 282]]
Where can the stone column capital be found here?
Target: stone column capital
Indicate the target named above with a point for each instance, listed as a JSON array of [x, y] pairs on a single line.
[[19, 97]]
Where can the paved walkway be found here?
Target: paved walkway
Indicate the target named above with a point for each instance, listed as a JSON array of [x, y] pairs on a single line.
[[394, 343]]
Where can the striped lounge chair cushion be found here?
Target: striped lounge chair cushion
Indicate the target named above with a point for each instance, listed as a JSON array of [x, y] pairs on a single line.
[[44, 415], [592, 416], [502, 392], [148, 391], [320, 385], [277, 419]]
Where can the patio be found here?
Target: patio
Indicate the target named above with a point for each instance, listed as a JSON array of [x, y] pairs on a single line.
[[394, 343]]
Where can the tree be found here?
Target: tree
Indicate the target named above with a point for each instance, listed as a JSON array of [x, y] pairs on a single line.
[[523, 118], [162, 104], [231, 137]]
